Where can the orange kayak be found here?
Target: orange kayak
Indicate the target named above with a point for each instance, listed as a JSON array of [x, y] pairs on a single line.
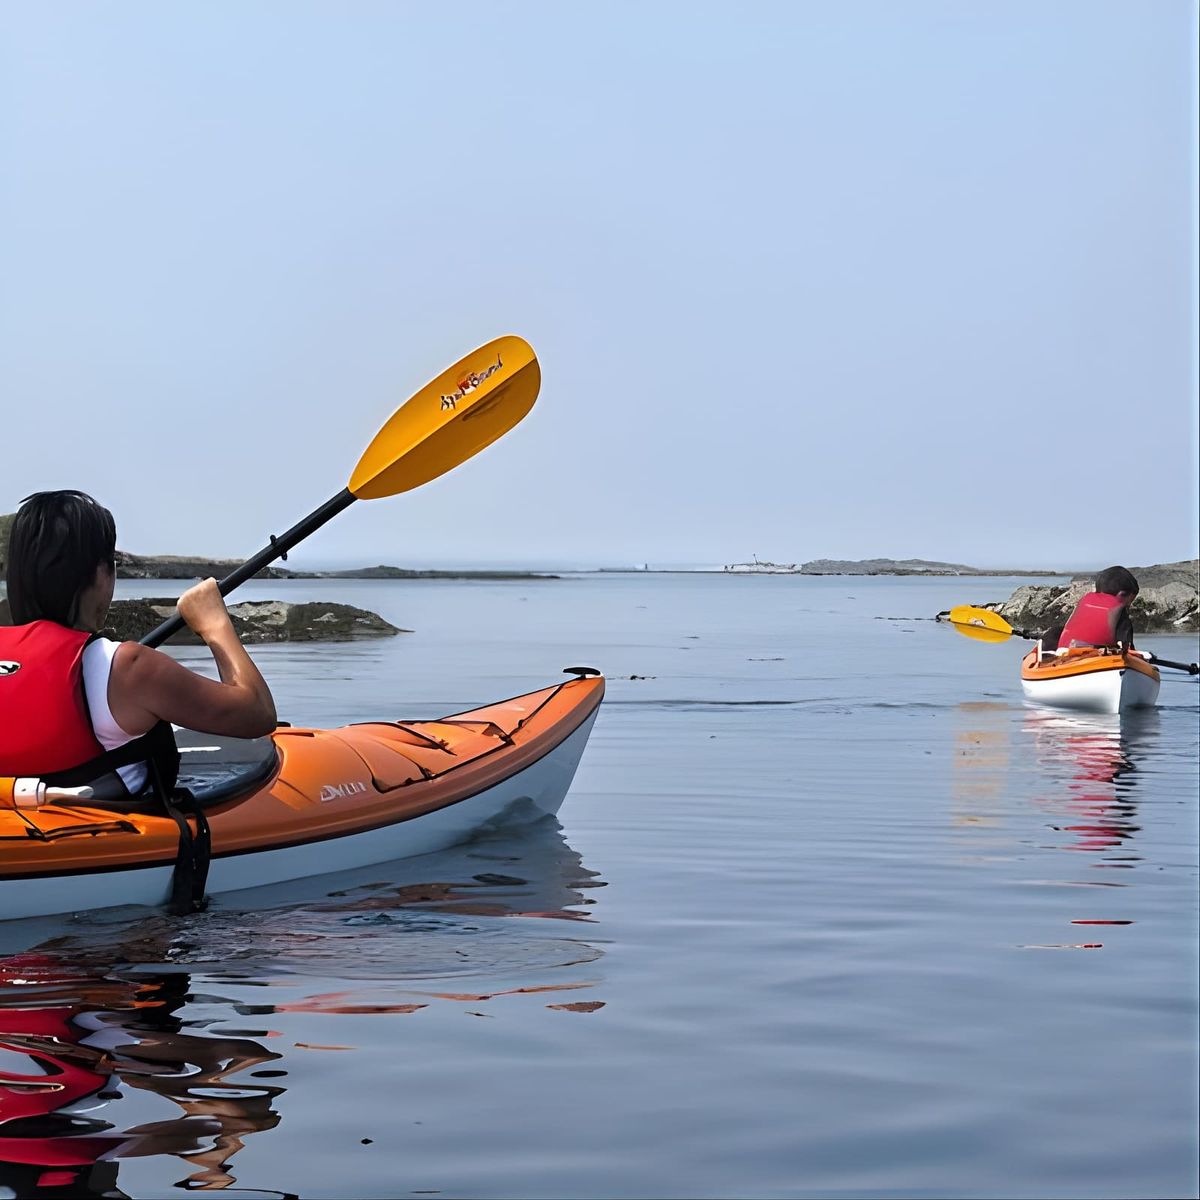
[[1100, 679], [307, 802]]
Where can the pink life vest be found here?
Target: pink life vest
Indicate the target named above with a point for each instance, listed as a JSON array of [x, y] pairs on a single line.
[[1094, 622]]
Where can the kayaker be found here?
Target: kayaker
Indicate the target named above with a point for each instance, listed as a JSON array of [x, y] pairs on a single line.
[[75, 706], [1101, 618]]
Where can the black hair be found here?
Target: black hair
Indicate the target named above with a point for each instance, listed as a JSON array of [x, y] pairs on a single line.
[[58, 540], [1116, 579]]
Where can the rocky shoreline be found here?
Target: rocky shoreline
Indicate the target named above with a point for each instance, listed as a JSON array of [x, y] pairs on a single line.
[[257, 622], [1169, 601]]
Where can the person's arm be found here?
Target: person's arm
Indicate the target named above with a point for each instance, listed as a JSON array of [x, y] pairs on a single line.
[[146, 685], [1124, 629], [1050, 638]]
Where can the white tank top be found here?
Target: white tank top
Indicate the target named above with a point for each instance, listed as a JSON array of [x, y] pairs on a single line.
[[97, 666]]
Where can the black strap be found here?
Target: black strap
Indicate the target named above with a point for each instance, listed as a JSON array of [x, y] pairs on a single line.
[[158, 751], [157, 746], [195, 850], [194, 854]]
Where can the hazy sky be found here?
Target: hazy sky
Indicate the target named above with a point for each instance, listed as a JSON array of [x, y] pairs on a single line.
[[808, 279]]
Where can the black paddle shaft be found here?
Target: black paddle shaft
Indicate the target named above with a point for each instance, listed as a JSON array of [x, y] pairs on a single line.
[[276, 548], [1190, 668]]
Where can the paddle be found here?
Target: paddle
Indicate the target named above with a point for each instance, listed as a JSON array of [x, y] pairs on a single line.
[[1190, 668], [451, 419], [982, 624], [987, 626]]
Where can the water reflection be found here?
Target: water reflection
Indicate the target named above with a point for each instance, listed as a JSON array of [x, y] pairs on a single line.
[[1081, 770], [1092, 760], [75, 1043], [94, 1019], [981, 761]]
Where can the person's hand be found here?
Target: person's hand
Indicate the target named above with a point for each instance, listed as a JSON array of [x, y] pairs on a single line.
[[203, 608]]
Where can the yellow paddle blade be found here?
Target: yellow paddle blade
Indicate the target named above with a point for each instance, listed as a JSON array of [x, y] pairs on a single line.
[[980, 624], [463, 410], [980, 634]]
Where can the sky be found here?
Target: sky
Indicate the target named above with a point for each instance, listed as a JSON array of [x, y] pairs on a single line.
[[805, 280]]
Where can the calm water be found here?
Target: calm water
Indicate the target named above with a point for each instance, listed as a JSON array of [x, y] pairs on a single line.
[[831, 912]]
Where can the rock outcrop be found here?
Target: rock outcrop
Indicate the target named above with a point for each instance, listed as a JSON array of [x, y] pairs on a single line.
[[1169, 601], [903, 566], [256, 622], [168, 566]]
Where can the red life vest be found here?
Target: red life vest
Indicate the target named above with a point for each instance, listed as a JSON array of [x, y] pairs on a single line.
[[44, 722], [1094, 621], [60, 1072]]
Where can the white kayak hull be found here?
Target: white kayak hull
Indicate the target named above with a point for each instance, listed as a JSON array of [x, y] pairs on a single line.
[[1115, 690]]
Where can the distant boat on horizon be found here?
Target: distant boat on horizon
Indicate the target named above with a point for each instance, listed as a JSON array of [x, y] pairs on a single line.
[[761, 567]]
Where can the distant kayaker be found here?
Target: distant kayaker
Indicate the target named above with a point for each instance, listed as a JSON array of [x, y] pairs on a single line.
[[76, 707], [1101, 618]]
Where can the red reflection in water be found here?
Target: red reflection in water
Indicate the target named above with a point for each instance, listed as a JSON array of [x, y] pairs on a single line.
[[1098, 754], [76, 1033], [1098, 800], [73, 1040]]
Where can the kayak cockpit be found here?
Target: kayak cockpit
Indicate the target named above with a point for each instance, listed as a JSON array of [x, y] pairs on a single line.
[[218, 769]]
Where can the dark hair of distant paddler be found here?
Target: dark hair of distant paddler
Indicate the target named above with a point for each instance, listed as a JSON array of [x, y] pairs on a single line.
[[1112, 581]]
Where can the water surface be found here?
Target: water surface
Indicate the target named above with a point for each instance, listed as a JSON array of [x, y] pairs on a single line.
[[831, 911]]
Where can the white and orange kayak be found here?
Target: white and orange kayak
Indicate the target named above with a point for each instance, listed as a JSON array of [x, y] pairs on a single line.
[[306, 802], [1100, 680]]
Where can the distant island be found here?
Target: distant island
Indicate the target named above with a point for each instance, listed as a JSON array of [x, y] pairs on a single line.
[[761, 566], [382, 572], [180, 566], [183, 566], [906, 566], [840, 566], [153, 566]]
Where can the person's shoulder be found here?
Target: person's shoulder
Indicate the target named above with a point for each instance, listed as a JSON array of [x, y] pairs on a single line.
[[132, 658], [100, 649]]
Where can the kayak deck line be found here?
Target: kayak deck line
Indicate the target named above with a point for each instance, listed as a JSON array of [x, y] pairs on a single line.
[[314, 801], [1084, 660]]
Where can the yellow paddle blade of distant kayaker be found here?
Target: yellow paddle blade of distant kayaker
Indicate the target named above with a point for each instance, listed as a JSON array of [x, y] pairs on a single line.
[[463, 410], [980, 624]]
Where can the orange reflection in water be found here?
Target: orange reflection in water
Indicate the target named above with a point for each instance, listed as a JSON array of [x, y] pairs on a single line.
[[982, 754]]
